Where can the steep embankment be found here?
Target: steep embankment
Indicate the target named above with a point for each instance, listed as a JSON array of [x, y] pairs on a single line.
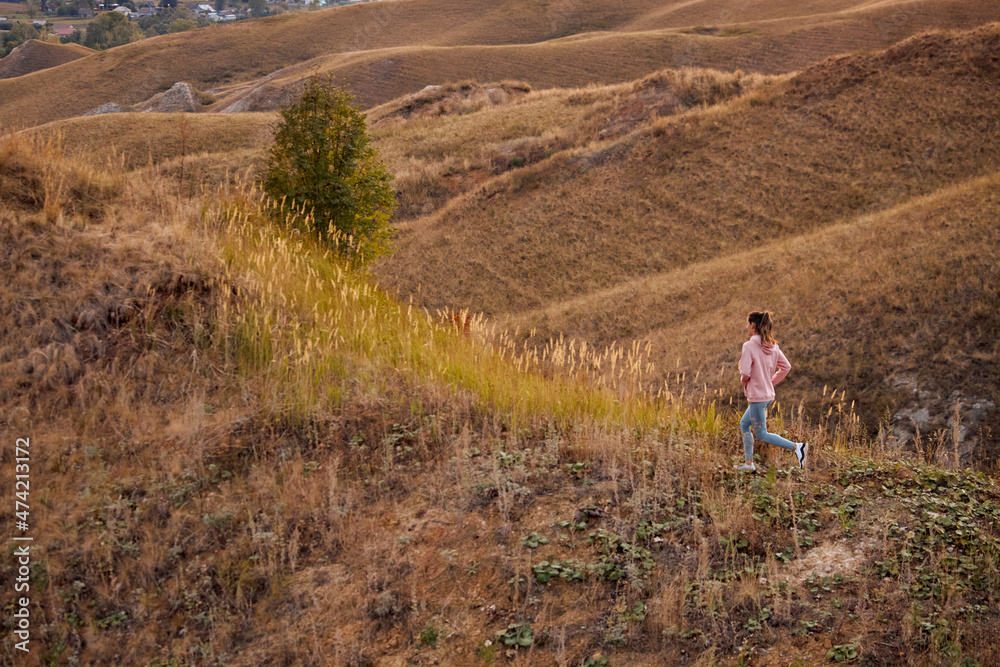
[[34, 55], [389, 48]]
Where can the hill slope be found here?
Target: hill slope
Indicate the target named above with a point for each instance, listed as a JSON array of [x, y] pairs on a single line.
[[243, 453], [594, 240], [34, 55], [782, 163], [139, 139], [393, 47]]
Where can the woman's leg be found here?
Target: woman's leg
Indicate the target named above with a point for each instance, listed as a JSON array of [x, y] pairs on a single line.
[[759, 425], [745, 425]]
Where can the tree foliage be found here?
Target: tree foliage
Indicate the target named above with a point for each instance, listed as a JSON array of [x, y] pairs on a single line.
[[323, 169], [18, 34], [258, 9], [111, 29]]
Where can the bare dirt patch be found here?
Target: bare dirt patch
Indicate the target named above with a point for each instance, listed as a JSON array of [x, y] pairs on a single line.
[[840, 557]]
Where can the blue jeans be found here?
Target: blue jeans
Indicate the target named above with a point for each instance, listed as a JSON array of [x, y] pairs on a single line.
[[754, 424]]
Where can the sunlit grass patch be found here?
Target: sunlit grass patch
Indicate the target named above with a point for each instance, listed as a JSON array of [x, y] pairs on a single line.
[[308, 327]]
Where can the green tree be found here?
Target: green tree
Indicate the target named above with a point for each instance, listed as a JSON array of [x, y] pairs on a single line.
[[182, 25], [323, 169], [18, 34], [111, 29], [258, 9]]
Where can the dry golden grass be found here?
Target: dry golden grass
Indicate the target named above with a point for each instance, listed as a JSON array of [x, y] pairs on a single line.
[[912, 289], [266, 460], [390, 48], [34, 55], [606, 270], [139, 139], [71, 289], [439, 143], [778, 163], [249, 454], [563, 242]]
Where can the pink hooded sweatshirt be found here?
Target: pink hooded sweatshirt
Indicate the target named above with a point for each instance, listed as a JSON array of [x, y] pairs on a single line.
[[762, 366]]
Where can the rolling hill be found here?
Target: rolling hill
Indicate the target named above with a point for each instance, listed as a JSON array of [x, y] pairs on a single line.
[[553, 244], [244, 452], [393, 47], [34, 55], [555, 209]]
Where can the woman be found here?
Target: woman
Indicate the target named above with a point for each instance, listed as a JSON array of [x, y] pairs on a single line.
[[762, 366]]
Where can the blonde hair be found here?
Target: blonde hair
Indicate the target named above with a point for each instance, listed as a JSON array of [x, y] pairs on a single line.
[[762, 322]]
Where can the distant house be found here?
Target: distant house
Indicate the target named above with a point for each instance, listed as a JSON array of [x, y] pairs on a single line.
[[122, 9], [205, 9], [39, 24], [144, 12], [85, 12], [63, 29]]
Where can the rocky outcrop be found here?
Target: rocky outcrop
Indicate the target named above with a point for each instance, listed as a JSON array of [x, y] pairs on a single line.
[[110, 107], [931, 419], [181, 97]]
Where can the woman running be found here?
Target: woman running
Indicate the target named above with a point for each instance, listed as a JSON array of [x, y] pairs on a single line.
[[762, 365]]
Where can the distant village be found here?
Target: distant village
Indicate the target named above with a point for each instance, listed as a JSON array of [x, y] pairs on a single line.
[[71, 20]]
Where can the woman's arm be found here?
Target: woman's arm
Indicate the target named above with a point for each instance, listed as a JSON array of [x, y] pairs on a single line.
[[783, 368], [746, 364]]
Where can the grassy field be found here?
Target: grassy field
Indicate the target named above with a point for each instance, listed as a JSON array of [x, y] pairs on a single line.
[[12, 9], [386, 49], [243, 452]]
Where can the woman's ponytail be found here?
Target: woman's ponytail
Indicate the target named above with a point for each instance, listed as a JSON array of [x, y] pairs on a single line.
[[762, 320]]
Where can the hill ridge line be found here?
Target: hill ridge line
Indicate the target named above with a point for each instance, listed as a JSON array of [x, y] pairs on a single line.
[[623, 288]]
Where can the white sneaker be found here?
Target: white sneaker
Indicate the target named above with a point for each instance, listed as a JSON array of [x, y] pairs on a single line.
[[802, 453], [748, 468]]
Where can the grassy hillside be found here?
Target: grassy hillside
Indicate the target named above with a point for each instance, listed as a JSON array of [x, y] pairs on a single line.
[[621, 212], [756, 37], [34, 55], [244, 453], [388, 48], [140, 139], [907, 293], [786, 159], [439, 142], [571, 233]]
